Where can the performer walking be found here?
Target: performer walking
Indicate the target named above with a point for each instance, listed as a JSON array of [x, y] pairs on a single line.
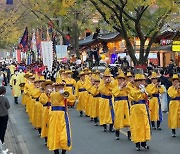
[[139, 122], [106, 107], [153, 90], [122, 106], [174, 105], [59, 132]]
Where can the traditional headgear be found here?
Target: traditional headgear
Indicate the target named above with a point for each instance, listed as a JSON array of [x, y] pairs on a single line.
[[89, 72], [61, 70], [107, 73], [97, 72], [47, 82], [85, 69], [175, 77], [68, 72], [41, 79], [129, 74], [154, 75], [32, 77], [58, 82], [139, 77], [120, 74], [27, 75], [82, 73]]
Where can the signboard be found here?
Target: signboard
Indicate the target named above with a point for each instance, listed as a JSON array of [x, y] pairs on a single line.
[[150, 56], [176, 46], [165, 42], [47, 54], [61, 51]]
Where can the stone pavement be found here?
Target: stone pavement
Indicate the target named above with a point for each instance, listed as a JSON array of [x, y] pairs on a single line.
[[10, 141]]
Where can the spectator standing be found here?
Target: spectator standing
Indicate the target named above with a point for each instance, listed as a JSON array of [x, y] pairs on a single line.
[[1, 78], [4, 106]]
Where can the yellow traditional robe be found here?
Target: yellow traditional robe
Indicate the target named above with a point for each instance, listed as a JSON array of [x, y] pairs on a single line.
[[81, 95], [94, 112], [35, 106], [59, 133], [154, 105], [14, 82], [105, 114], [174, 108], [121, 108], [139, 122], [44, 99], [70, 87]]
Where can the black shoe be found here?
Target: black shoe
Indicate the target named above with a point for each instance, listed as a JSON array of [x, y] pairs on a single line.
[[63, 151], [154, 128], [96, 124], [91, 119], [159, 128], [117, 134], [56, 151], [105, 127], [138, 149], [81, 113], [173, 133], [129, 135], [138, 146], [111, 128], [146, 147]]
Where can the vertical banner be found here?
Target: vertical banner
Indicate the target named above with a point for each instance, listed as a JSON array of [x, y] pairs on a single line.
[[61, 51], [47, 54], [18, 55], [33, 45]]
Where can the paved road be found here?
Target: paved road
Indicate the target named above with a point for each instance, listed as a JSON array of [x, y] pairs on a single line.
[[87, 138]]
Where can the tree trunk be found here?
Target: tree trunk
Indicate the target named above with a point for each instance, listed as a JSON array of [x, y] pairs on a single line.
[[75, 40]]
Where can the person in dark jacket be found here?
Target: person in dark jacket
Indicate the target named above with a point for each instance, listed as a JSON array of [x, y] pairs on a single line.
[[4, 106]]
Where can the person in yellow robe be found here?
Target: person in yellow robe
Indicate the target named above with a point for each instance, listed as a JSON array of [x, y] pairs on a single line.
[[96, 97], [81, 93], [89, 83], [154, 90], [44, 99], [121, 105], [30, 103], [139, 121], [37, 106], [24, 89], [59, 132], [16, 89], [12, 68], [29, 88], [106, 107], [70, 87], [174, 105]]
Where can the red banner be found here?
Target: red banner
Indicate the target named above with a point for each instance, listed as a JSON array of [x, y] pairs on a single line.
[[18, 56]]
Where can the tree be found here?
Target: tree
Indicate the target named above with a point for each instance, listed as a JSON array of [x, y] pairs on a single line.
[[136, 18], [12, 22], [74, 17]]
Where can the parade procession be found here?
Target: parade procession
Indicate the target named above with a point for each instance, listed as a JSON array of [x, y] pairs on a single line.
[[89, 76]]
